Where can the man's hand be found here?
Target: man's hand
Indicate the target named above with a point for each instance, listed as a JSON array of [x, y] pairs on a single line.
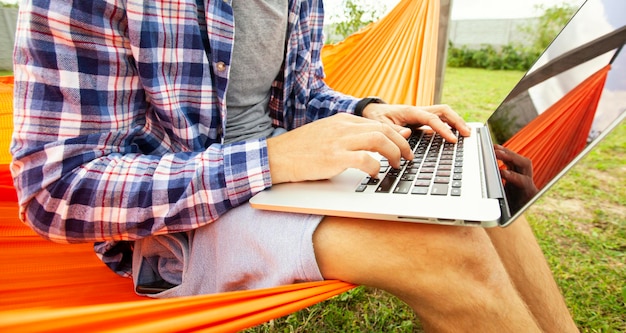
[[438, 117], [326, 147]]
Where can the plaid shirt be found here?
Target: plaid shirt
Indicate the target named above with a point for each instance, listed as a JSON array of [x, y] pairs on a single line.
[[120, 111]]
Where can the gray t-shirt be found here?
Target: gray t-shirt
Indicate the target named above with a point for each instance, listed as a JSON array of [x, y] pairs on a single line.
[[258, 53]]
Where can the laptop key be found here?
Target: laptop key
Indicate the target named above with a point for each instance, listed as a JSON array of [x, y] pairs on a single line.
[[419, 190], [370, 181], [422, 182], [439, 189], [412, 171], [442, 180], [443, 173], [386, 184], [410, 177], [403, 187]]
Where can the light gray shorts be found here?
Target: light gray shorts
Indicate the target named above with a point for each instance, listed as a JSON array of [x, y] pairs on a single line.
[[244, 249]]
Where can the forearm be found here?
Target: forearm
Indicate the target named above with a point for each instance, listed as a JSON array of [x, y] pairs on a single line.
[[129, 196]]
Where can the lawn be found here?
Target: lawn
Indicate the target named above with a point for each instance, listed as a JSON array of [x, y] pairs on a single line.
[[580, 224]]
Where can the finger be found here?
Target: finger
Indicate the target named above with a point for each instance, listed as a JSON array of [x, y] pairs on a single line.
[[363, 161], [375, 141], [450, 117], [402, 130], [355, 125], [391, 134], [398, 135], [430, 116], [437, 125]]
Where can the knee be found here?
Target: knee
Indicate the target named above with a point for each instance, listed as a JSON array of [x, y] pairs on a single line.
[[471, 254]]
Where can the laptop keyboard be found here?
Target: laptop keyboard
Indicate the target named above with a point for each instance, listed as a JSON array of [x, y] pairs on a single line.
[[436, 169]]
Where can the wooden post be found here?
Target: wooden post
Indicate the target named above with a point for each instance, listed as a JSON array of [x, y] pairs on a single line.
[[442, 46]]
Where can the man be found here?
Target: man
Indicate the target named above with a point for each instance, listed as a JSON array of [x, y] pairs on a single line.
[[146, 127]]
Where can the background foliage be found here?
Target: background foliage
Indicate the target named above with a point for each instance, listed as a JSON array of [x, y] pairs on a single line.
[[8, 5], [515, 56]]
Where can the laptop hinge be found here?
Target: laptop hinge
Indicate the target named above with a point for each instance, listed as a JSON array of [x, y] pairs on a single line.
[[493, 180]]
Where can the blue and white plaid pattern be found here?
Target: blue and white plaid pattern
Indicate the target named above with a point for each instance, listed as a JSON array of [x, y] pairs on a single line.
[[119, 116]]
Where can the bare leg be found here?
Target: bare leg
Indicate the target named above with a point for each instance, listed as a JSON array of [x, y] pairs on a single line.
[[452, 277], [519, 251]]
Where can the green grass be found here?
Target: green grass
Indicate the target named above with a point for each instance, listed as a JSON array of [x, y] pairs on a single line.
[[5, 73], [475, 93], [580, 224]]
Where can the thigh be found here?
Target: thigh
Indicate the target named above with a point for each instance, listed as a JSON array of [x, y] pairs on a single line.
[[442, 272], [407, 259]]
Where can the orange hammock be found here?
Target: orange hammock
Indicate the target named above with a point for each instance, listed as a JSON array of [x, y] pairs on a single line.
[[569, 119], [56, 287], [389, 59]]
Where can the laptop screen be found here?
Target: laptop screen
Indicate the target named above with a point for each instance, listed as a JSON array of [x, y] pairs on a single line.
[[572, 96]]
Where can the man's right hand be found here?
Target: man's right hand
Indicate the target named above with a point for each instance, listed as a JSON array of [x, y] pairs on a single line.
[[326, 147]]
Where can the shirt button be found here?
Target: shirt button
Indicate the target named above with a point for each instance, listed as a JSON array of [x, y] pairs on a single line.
[[221, 66]]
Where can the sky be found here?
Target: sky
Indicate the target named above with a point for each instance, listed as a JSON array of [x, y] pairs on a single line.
[[471, 9], [481, 9]]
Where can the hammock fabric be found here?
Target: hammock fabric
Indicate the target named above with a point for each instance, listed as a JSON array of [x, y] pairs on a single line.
[[570, 120], [59, 287], [395, 61], [56, 287]]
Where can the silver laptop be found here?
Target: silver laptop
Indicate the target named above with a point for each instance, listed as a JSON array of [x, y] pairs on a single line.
[[461, 184]]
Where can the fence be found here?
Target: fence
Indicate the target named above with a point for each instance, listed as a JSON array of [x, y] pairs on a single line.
[[496, 32]]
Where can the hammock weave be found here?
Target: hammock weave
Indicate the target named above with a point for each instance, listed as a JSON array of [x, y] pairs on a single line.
[[57, 287]]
